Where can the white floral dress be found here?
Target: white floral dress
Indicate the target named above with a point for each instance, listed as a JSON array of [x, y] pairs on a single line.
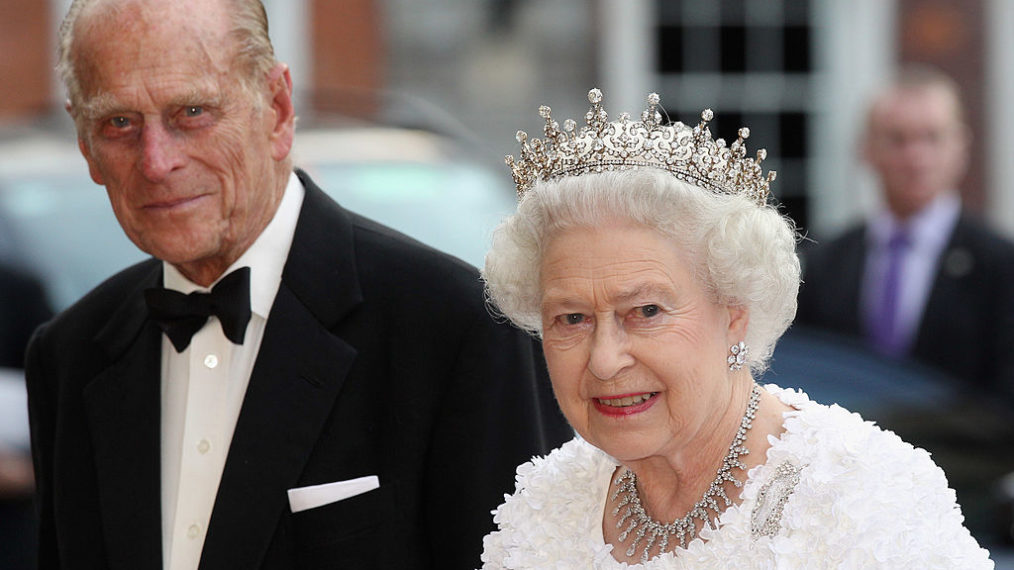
[[834, 492]]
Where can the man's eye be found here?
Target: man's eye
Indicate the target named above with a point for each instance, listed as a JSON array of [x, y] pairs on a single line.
[[573, 319], [194, 111], [119, 122], [649, 311]]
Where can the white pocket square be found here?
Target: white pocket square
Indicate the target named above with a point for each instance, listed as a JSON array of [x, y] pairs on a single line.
[[303, 498]]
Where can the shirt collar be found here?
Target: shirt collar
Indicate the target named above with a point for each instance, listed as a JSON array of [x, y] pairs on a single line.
[[266, 256], [930, 226]]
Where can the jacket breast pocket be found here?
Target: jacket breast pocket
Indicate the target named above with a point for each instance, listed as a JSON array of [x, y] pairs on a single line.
[[357, 532]]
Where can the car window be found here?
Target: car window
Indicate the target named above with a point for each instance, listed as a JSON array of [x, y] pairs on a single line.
[[61, 227], [452, 207]]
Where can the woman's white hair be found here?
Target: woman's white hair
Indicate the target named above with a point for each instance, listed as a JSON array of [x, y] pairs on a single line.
[[744, 254]]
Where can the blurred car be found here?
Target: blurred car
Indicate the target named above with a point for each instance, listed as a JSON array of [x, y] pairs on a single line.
[[415, 181], [58, 224], [54, 221], [970, 435]]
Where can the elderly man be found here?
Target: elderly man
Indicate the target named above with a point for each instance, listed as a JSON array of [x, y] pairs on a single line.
[[287, 384], [919, 279]]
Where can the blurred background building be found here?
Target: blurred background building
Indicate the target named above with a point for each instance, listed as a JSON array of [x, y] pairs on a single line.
[[797, 72]]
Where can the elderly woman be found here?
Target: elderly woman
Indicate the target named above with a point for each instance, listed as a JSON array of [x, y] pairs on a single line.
[[658, 277]]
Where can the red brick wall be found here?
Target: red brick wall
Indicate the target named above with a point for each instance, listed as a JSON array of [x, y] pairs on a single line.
[[347, 52], [27, 61], [950, 34]]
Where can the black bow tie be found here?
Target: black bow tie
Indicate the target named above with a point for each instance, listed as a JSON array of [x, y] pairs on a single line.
[[180, 316]]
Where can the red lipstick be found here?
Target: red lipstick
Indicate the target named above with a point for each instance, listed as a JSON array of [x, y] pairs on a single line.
[[620, 411]]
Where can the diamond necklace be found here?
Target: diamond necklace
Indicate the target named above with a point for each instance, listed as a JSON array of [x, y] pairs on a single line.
[[686, 527]]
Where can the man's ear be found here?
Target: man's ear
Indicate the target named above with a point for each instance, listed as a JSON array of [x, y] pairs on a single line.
[[284, 113]]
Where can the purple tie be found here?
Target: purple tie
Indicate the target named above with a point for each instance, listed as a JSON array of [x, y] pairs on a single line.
[[884, 325]]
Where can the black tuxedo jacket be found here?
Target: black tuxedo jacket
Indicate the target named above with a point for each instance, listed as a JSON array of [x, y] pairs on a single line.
[[379, 358], [967, 326]]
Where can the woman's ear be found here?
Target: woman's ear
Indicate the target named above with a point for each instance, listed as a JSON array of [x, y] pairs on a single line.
[[739, 318]]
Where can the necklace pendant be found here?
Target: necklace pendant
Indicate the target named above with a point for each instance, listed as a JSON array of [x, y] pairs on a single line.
[[624, 534], [637, 538], [683, 537], [650, 543], [626, 515], [766, 518]]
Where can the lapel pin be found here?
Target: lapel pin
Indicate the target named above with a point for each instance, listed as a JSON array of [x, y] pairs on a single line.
[[958, 262]]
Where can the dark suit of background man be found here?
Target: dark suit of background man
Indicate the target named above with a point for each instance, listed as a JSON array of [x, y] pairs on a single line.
[[366, 355], [920, 279]]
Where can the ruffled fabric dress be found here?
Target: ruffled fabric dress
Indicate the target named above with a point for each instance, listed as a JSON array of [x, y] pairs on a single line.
[[834, 492]]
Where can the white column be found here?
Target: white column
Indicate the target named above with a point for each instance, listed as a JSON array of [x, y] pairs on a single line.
[[626, 54], [58, 9], [288, 26], [855, 54], [1000, 125]]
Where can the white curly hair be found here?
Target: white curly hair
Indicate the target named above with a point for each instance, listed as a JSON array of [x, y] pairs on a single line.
[[745, 254]]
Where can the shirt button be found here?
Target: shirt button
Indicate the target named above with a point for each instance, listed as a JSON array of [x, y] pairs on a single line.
[[203, 446], [193, 531], [211, 361]]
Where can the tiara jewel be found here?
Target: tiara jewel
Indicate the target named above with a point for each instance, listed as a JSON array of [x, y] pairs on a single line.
[[688, 153]]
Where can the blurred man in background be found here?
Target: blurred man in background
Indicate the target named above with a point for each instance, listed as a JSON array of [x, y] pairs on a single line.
[[922, 280]]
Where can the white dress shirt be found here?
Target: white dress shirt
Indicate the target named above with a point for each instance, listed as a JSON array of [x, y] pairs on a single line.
[[928, 231], [203, 389]]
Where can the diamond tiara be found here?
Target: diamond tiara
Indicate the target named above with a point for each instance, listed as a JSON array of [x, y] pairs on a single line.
[[688, 153]]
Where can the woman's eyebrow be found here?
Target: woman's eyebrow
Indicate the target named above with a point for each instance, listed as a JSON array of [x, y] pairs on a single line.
[[651, 290]]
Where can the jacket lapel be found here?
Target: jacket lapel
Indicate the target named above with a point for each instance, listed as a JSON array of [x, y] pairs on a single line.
[[297, 376], [956, 262], [850, 282], [123, 410]]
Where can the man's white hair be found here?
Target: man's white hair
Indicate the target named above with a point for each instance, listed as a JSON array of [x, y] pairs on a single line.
[[255, 55]]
